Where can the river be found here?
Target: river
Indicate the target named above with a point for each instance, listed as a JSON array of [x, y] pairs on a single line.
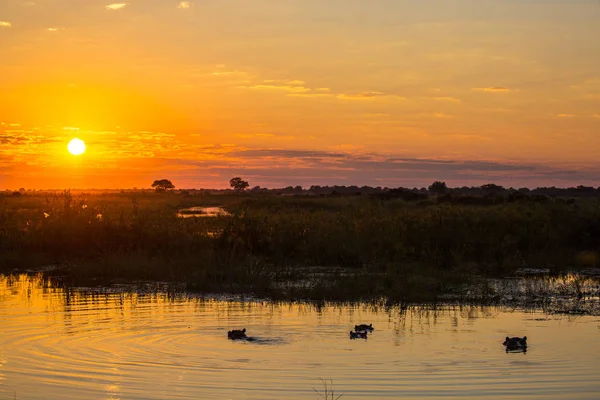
[[149, 341]]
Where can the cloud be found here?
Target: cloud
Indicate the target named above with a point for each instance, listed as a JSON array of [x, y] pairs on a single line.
[[299, 88], [309, 95], [229, 73], [270, 136], [276, 87], [184, 5], [5, 24], [347, 147], [285, 153], [446, 99], [368, 96], [494, 89], [565, 115], [350, 166], [115, 6], [37, 153], [290, 86], [18, 137], [294, 82], [9, 139], [253, 135]]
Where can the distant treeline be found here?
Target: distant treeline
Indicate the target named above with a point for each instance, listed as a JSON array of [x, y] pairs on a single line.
[[437, 188], [415, 194]]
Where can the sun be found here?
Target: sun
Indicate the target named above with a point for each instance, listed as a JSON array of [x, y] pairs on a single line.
[[76, 146]]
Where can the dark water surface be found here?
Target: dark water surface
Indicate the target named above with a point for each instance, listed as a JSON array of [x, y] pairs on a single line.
[[132, 343]]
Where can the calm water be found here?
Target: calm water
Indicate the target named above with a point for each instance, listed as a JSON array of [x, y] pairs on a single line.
[[202, 212], [147, 344]]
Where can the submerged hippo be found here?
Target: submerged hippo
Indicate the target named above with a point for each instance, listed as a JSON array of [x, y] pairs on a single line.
[[236, 334], [364, 327], [515, 343], [358, 335]]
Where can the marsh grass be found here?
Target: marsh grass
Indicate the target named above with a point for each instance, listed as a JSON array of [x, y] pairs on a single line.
[[370, 248], [328, 393]]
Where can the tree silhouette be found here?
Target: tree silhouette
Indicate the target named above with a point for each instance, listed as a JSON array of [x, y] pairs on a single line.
[[238, 184], [438, 187], [162, 185]]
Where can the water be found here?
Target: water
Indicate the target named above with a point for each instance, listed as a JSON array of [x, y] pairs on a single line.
[[150, 343], [202, 212]]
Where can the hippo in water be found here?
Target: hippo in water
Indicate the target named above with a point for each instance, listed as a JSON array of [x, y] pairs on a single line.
[[358, 335], [364, 327], [236, 334], [515, 343]]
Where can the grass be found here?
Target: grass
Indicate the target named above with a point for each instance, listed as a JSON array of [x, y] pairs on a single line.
[[326, 248], [328, 393]]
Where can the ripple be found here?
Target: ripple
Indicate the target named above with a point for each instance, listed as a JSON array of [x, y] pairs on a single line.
[[153, 345]]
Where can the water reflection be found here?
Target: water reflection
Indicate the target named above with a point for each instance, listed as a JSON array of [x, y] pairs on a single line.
[[202, 212], [151, 341]]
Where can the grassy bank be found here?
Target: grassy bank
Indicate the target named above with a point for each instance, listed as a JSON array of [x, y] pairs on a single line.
[[363, 247]]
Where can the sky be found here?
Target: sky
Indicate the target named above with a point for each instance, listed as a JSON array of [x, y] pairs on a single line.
[[299, 92]]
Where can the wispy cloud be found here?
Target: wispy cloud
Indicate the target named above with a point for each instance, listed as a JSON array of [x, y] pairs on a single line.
[[309, 95], [565, 115], [493, 89], [184, 5], [277, 87], [115, 6], [5, 24], [369, 96], [299, 88], [270, 136], [190, 165], [350, 166], [445, 99]]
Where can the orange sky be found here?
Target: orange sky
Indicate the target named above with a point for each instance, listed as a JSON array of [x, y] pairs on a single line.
[[381, 92]]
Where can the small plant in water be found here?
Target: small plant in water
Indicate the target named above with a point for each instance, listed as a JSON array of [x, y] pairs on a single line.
[[328, 392]]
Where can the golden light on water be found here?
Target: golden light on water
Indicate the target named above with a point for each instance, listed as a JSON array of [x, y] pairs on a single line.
[[149, 342], [76, 146]]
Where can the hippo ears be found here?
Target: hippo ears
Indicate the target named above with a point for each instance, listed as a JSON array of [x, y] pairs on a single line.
[[524, 337], [244, 330], [507, 338], [370, 325]]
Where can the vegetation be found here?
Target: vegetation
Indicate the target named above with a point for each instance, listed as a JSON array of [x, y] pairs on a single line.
[[438, 187], [398, 244], [238, 183], [328, 393], [162, 185]]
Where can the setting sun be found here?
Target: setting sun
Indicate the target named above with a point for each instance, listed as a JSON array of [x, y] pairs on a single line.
[[76, 146]]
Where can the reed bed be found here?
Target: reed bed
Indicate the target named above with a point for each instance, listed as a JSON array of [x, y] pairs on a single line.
[[323, 247]]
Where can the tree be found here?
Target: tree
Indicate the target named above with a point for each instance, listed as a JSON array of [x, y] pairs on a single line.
[[162, 185], [238, 184], [438, 187], [492, 188]]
